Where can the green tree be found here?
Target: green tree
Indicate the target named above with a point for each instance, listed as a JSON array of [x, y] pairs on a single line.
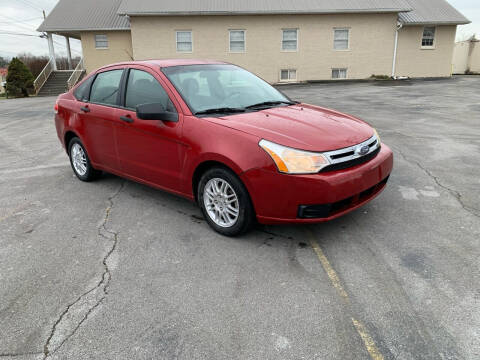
[[3, 62], [19, 79]]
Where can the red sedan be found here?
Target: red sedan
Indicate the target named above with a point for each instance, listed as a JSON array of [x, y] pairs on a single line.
[[219, 135]]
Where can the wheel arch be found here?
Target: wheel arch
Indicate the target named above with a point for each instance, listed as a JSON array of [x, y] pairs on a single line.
[[69, 135], [202, 168]]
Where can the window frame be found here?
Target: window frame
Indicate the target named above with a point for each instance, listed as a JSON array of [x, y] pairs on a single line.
[[106, 41], [230, 41], [434, 42], [176, 41], [282, 40], [120, 88], [348, 38], [340, 69], [123, 100], [289, 71]]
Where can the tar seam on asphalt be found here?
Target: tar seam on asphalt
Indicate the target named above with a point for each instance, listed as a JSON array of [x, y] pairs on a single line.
[[454, 193], [102, 284], [362, 331]]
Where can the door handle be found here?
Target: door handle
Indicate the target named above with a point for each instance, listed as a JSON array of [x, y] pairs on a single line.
[[126, 119], [85, 109]]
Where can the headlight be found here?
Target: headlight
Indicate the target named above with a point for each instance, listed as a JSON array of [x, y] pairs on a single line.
[[378, 136], [293, 161]]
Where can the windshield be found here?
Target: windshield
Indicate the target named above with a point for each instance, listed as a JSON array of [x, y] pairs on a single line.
[[222, 88]]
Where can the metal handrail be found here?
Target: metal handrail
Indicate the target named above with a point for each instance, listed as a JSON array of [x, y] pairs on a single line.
[[73, 79], [43, 76]]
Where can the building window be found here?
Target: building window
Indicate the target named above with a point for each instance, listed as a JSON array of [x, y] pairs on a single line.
[[288, 74], [237, 40], [184, 41], [289, 39], [340, 39], [339, 73], [428, 37], [101, 42]]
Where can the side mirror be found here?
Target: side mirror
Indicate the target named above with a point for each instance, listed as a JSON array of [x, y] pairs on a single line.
[[155, 111]]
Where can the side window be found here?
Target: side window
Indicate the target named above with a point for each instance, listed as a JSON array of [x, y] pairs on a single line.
[[428, 37], [101, 41], [143, 88], [82, 91], [105, 87]]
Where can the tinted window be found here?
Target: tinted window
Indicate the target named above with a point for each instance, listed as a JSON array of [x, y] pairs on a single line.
[[143, 88], [105, 87], [82, 91]]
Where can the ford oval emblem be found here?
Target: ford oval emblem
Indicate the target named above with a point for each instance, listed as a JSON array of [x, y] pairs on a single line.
[[363, 150]]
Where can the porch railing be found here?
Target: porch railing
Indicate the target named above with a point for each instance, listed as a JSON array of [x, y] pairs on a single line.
[[77, 73], [43, 76]]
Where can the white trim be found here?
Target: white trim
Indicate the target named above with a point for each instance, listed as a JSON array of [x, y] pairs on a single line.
[[289, 69], [176, 41], [348, 38], [434, 45], [339, 69], [244, 42], [95, 40], [281, 40]]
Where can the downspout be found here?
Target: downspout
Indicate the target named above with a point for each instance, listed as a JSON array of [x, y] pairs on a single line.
[[395, 46]]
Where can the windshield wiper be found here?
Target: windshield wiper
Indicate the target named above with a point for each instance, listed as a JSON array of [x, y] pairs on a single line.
[[221, 110], [270, 103]]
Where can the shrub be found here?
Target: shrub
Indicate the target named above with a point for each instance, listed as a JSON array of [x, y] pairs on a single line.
[[380, 77], [19, 79]]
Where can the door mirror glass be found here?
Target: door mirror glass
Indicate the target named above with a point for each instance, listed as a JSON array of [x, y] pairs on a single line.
[[155, 111]]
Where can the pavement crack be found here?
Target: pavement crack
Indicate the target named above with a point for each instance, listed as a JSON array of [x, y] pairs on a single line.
[[79, 310], [457, 195]]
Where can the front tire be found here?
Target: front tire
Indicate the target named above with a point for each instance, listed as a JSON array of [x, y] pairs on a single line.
[[80, 161], [225, 202]]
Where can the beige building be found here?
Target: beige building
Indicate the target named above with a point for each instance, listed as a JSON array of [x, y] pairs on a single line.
[[281, 41], [466, 57]]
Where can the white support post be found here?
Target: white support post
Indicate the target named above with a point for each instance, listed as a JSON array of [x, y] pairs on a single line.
[[51, 50], [69, 53]]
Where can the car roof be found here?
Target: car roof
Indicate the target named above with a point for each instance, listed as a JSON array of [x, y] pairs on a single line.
[[162, 63]]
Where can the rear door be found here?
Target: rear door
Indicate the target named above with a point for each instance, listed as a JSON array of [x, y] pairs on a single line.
[[150, 150], [99, 115]]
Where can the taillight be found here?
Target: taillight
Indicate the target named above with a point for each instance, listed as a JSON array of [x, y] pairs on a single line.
[[55, 108]]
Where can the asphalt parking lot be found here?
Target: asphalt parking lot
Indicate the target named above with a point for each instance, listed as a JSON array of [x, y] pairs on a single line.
[[116, 270]]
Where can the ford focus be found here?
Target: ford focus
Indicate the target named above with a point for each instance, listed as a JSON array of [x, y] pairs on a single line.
[[218, 135]]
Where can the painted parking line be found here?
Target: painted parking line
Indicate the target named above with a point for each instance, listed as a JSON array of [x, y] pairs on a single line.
[[368, 341]]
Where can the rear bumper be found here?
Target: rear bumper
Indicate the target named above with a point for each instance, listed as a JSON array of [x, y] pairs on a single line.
[[281, 198]]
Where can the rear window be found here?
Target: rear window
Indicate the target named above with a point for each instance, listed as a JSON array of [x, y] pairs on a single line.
[[105, 87]]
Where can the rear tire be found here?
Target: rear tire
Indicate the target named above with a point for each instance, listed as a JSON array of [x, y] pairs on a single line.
[[225, 202], [80, 161]]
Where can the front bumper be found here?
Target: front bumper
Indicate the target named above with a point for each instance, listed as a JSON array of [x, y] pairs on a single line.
[[279, 198]]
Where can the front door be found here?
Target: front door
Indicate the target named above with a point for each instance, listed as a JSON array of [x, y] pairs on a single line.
[[149, 150]]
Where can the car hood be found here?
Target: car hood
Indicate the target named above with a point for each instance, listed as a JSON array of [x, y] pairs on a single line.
[[302, 126]]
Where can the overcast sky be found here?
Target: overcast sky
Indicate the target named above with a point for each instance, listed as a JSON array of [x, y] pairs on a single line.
[[24, 16]]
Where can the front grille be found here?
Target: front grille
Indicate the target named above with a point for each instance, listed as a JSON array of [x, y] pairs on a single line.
[[352, 155], [351, 163], [319, 211]]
